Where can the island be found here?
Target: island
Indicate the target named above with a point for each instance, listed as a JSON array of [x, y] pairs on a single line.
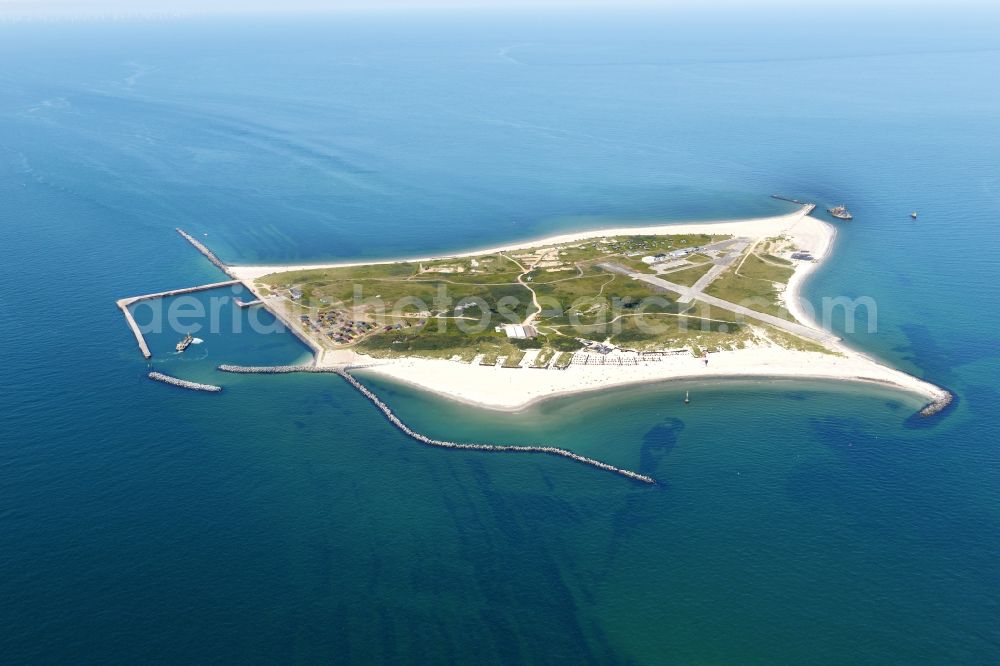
[[503, 327]]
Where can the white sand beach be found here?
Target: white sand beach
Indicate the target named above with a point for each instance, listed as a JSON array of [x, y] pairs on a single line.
[[762, 227], [513, 389]]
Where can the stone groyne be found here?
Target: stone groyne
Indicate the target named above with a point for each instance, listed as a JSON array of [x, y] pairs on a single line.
[[183, 383], [221, 265], [551, 450], [271, 369], [384, 408], [937, 406]]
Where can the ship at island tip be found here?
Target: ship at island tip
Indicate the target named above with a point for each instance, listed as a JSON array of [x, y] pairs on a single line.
[[840, 212]]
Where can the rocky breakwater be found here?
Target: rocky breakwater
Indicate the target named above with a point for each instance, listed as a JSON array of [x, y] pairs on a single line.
[[551, 450], [183, 383], [198, 245], [271, 369], [938, 405]]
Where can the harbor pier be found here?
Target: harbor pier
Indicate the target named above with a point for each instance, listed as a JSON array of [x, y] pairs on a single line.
[[130, 320], [177, 292], [247, 304], [125, 303], [258, 297]]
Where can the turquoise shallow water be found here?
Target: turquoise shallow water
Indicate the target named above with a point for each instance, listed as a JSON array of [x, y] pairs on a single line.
[[286, 520]]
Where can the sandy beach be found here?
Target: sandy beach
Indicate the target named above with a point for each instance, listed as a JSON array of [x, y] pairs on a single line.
[[761, 227], [513, 389]]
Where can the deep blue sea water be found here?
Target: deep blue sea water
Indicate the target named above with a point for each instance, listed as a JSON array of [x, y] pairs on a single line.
[[285, 520]]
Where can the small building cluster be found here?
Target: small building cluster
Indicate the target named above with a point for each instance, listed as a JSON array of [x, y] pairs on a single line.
[[668, 256], [341, 328]]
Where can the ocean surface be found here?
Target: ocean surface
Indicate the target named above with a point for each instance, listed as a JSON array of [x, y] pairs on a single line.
[[286, 520]]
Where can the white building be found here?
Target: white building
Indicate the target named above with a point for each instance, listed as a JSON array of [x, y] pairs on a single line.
[[519, 332]]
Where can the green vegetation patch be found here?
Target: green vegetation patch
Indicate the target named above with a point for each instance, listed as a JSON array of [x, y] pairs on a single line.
[[544, 357], [754, 287], [671, 331], [756, 268], [514, 359], [599, 298], [778, 260], [439, 303], [688, 276], [563, 360], [431, 343]]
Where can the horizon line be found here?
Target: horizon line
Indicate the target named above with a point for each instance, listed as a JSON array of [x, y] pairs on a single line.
[[26, 10]]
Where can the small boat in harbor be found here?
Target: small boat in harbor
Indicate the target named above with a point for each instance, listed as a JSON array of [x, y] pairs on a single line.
[[687, 397], [840, 212], [913, 215], [185, 343]]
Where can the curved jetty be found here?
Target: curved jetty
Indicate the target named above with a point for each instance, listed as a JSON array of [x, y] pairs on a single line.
[[183, 383], [423, 439], [937, 406]]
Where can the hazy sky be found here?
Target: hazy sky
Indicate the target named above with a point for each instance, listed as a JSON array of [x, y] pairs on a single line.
[[63, 8]]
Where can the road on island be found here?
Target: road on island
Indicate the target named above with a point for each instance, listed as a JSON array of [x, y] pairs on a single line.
[[689, 294], [530, 320]]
